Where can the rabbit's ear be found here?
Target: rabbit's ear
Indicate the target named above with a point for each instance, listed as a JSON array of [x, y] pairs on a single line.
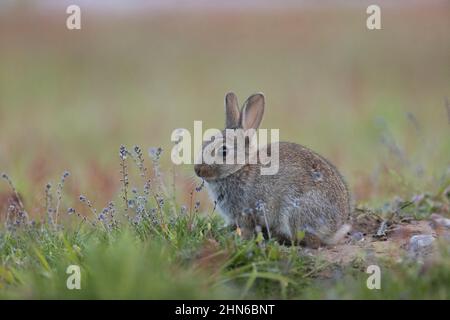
[[253, 111], [231, 111]]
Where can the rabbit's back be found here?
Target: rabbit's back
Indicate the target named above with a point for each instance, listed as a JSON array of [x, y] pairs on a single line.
[[307, 171], [307, 194]]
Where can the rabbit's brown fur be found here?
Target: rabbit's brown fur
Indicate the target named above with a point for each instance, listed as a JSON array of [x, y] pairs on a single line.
[[307, 194]]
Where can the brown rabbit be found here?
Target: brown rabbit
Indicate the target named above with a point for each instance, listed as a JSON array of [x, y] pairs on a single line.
[[307, 196]]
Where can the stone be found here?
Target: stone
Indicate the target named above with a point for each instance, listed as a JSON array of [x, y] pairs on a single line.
[[420, 244]]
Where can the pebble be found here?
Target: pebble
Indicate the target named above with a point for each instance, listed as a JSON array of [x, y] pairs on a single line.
[[440, 220], [357, 236], [420, 242]]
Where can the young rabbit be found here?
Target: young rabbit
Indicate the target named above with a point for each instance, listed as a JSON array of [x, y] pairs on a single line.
[[307, 196]]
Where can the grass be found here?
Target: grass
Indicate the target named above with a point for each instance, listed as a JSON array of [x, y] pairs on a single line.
[[145, 246], [141, 250]]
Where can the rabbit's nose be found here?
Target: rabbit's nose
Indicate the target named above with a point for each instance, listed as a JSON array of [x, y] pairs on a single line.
[[203, 171], [198, 170]]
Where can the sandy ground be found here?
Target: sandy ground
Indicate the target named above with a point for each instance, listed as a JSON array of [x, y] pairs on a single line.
[[374, 239]]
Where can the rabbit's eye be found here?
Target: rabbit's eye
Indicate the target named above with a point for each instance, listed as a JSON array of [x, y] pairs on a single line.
[[222, 151]]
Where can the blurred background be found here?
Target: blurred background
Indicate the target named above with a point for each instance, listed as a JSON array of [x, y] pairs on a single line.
[[373, 102]]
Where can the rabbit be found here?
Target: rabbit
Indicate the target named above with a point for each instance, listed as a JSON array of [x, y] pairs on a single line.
[[307, 201]]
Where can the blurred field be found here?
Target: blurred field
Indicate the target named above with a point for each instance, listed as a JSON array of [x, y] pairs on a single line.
[[371, 101]]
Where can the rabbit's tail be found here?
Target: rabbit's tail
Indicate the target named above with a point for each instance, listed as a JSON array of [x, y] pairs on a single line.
[[339, 235]]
